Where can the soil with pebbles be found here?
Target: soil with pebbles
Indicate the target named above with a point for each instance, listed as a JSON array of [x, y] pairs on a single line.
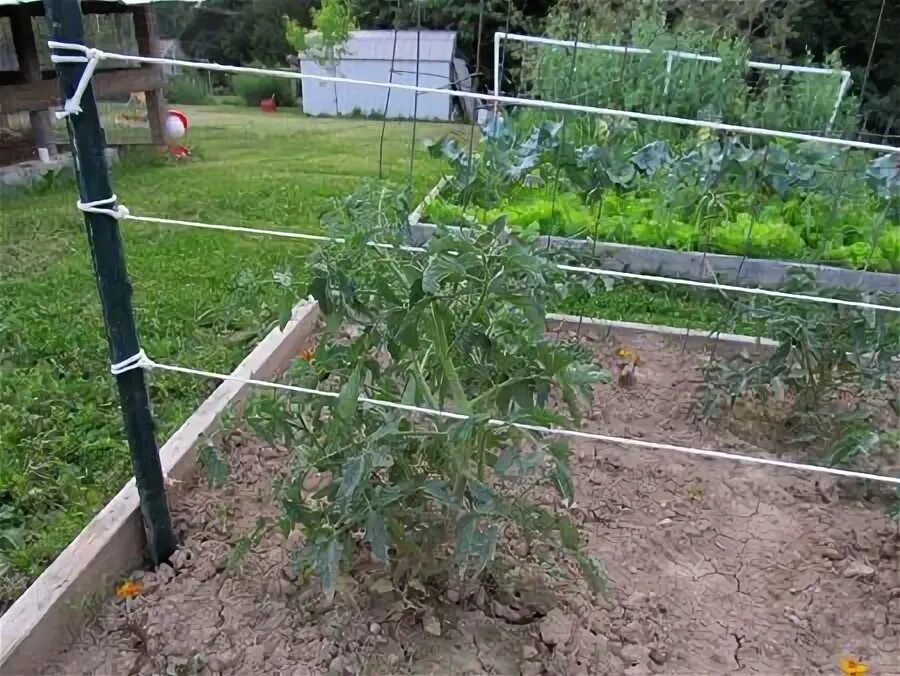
[[713, 567]]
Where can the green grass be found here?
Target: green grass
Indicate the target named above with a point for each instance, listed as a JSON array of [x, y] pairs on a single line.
[[202, 299]]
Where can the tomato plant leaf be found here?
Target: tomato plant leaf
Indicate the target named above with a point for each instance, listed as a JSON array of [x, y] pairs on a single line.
[[568, 533], [513, 462], [326, 562], [483, 498], [563, 480], [465, 535], [349, 395], [377, 535], [214, 466], [439, 490], [592, 571], [409, 392], [352, 473]]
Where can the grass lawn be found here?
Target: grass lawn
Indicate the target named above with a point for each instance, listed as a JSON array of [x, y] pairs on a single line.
[[202, 299]]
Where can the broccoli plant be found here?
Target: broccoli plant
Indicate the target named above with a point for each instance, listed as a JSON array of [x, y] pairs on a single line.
[[506, 160], [832, 366], [460, 329]]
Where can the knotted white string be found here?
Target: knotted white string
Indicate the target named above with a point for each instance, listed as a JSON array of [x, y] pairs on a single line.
[[97, 207], [91, 57], [135, 361]]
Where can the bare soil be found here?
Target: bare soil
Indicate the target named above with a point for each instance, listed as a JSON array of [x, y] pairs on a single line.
[[713, 567]]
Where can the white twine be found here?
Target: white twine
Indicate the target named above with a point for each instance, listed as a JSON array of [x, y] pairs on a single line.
[[509, 100], [97, 207], [603, 272], [266, 231], [729, 287], [91, 57], [140, 360], [120, 212]]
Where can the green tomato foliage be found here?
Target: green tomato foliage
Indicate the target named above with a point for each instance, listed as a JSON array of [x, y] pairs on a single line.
[[460, 328], [824, 352]]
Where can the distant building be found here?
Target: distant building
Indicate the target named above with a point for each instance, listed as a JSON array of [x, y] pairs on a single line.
[[385, 56], [170, 49]]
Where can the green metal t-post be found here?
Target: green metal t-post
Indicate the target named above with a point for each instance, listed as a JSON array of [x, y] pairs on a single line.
[[88, 145]]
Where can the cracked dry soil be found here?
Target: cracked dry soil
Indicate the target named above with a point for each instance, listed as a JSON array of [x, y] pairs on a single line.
[[713, 567]]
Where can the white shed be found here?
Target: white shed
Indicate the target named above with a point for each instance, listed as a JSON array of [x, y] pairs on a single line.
[[368, 55]]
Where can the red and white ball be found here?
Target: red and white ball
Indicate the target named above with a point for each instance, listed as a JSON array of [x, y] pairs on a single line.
[[176, 124]]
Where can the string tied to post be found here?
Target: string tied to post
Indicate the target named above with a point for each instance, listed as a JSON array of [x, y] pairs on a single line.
[[138, 360], [117, 211], [89, 56]]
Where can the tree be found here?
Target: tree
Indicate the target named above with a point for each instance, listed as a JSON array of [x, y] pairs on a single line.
[[850, 24], [171, 17], [518, 16], [242, 31]]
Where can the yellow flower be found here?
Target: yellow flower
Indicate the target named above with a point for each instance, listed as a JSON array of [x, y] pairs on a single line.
[[307, 354], [852, 667], [129, 589]]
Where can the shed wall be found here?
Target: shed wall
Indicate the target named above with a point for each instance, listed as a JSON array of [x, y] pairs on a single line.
[[319, 97]]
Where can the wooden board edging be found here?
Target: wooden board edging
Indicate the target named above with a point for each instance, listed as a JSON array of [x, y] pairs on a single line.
[[53, 609], [432, 195], [696, 338]]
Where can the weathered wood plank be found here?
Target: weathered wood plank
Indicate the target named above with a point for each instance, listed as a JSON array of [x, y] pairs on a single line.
[[148, 45], [30, 67], [40, 95]]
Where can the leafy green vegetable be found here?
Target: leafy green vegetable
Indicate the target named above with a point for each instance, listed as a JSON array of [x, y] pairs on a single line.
[[778, 200], [762, 239]]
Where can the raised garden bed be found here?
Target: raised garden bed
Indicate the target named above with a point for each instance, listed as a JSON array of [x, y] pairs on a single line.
[[711, 566], [56, 606], [725, 268]]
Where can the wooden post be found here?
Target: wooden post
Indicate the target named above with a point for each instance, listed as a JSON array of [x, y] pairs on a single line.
[[30, 66], [148, 45], [88, 144]]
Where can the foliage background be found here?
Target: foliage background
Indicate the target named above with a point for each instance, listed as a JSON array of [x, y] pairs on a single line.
[[242, 31]]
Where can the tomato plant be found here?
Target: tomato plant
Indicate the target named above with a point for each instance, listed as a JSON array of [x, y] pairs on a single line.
[[832, 366], [460, 328]]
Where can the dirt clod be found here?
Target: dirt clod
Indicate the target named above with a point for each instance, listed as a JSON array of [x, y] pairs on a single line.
[[431, 625], [859, 569], [556, 628], [658, 656], [634, 655]]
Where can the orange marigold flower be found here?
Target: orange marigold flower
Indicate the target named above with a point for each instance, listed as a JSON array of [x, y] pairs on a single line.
[[307, 354], [129, 589], [852, 667], [630, 355]]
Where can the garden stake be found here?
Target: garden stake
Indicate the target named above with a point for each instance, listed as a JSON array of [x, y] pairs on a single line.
[[88, 144]]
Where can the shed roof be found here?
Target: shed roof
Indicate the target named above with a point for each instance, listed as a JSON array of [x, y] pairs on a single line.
[[375, 45]]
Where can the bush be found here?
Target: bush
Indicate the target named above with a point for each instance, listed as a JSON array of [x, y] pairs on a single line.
[[255, 88], [189, 88]]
